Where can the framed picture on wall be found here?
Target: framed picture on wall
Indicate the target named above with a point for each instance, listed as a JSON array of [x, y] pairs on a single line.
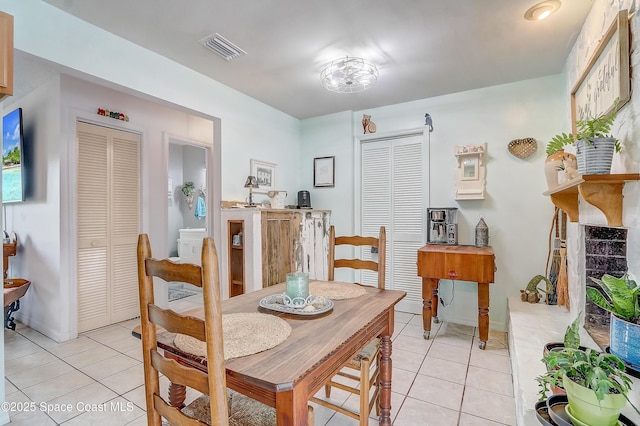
[[324, 172], [266, 175], [604, 84]]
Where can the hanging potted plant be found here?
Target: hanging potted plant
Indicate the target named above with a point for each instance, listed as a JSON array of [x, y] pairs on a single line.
[[188, 189], [621, 297], [595, 383], [593, 141]]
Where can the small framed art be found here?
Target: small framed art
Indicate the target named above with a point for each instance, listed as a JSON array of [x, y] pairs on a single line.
[[324, 172], [266, 175]]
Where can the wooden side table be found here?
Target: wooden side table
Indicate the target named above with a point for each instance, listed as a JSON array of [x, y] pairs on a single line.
[[463, 263]]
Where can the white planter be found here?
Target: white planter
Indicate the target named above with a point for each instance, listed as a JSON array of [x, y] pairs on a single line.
[[594, 158]]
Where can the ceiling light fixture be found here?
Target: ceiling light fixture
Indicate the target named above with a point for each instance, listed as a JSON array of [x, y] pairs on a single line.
[[542, 10], [349, 75]]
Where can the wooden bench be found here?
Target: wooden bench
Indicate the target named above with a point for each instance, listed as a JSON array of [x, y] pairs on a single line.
[[14, 289]]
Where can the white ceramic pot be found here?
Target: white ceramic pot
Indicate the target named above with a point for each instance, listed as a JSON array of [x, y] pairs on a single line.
[[277, 199], [595, 158]]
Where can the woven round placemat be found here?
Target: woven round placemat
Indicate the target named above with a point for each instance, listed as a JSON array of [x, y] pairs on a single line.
[[243, 334], [335, 290]]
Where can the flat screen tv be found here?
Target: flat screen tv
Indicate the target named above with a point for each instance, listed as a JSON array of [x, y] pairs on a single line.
[[12, 158]]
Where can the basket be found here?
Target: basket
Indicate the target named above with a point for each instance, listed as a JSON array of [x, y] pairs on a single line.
[[523, 148]]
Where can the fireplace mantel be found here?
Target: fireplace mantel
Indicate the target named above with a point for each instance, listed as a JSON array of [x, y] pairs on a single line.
[[601, 191]]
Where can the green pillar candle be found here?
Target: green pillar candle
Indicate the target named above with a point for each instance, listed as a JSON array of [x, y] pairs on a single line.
[[297, 285]]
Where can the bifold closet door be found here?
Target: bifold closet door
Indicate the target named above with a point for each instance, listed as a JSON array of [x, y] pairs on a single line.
[[108, 225], [393, 195]]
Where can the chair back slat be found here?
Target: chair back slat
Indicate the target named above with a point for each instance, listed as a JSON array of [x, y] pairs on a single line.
[[379, 243], [213, 383], [171, 271], [176, 323], [356, 264], [176, 373], [173, 415], [356, 240]]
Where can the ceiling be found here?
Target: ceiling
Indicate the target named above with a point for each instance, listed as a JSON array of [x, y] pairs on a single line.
[[422, 48]]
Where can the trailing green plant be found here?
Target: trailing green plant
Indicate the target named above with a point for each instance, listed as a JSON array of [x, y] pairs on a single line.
[[601, 372], [587, 129], [188, 188], [622, 296]]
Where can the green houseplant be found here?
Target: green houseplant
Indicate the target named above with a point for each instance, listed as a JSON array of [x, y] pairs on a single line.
[[188, 189], [595, 382], [621, 297], [571, 338], [587, 129], [594, 143]]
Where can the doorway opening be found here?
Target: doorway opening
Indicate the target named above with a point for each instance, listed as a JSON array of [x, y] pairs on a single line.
[[188, 202]]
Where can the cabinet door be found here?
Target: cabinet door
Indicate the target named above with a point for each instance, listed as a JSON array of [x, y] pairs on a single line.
[[6, 55], [280, 232]]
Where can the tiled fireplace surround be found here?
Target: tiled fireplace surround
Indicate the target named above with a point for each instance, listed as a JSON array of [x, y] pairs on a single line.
[[605, 251], [598, 250]]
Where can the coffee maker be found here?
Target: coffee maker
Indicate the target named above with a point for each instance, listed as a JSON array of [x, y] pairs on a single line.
[[304, 200], [442, 226]]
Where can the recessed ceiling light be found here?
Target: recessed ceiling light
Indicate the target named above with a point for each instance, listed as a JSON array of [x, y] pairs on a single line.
[[542, 10]]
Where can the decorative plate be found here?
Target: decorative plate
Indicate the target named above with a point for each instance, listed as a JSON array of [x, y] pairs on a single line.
[[316, 305]]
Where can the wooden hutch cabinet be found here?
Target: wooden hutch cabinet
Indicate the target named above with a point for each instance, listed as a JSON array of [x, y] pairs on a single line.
[[274, 242]]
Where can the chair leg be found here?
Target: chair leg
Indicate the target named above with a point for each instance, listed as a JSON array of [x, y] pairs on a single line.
[[310, 417], [365, 387], [327, 391]]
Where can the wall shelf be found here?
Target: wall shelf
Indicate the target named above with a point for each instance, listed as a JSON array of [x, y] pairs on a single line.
[[602, 191]]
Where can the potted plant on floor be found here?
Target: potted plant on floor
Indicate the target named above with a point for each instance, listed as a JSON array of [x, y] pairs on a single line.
[[594, 143], [621, 297], [595, 382]]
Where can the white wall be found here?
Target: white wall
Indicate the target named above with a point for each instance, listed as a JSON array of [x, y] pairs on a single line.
[[626, 129], [247, 129], [517, 213]]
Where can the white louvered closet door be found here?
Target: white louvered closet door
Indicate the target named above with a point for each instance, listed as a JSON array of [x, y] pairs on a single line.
[[108, 225], [394, 192]]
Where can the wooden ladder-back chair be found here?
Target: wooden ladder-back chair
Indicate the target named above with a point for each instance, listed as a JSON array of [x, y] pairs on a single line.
[[368, 356], [213, 407], [212, 383]]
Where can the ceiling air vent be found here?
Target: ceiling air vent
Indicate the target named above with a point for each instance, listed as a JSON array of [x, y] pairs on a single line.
[[222, 47]]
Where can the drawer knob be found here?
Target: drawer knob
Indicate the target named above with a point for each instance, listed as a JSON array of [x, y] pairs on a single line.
[[453, 274]]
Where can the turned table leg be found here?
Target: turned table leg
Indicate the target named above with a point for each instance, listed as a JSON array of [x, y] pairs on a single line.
[[483, 314], [385, 380], [429, 304], [177, 395]]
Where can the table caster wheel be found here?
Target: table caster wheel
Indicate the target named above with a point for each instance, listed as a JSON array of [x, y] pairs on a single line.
[[426, 335], [436, 320], [482, 344]]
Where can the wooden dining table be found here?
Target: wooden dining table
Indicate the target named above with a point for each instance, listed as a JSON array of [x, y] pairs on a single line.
[[288, 375]]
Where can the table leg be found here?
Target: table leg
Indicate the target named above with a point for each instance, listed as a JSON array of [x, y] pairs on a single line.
[[434, 300], [429, 304], [385, 380], [483, 314], [292, 408], [177, 395]]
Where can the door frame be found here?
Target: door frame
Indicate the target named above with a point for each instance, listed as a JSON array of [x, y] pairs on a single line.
[[169, 138], [357, 178], [69, 199]]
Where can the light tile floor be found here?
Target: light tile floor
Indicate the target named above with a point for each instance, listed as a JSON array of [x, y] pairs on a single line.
[[97, 379]]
